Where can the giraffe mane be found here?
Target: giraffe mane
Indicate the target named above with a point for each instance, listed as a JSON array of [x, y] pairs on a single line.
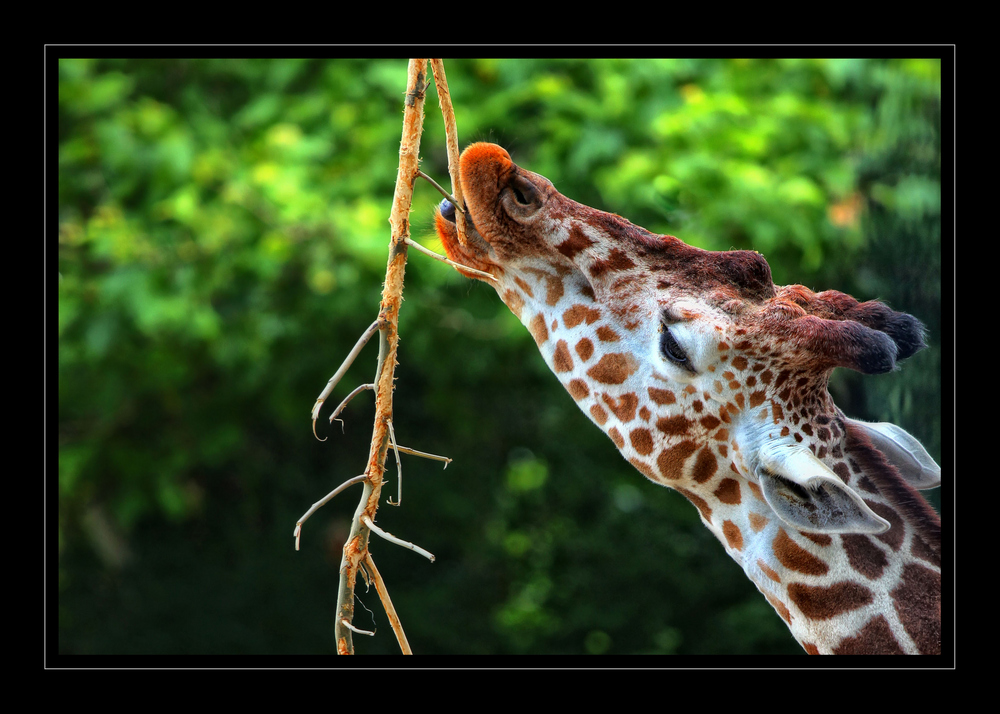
[[883, 476]]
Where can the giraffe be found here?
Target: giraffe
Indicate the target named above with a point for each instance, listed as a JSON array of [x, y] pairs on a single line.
[[711, 380]]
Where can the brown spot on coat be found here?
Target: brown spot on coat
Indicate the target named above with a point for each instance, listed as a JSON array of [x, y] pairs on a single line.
[[576, 242], [671, 461], [821, 539], [616, 260], [642, 441], [875, 638], [674, 425], [662, 396], [795, 557], [553, 290], [782, 610], [821, 603], [578, 314], [561, 359], [514, 301], [767, 571], [699, 503], [553, 285], [728, 492], [606, 334], [624, 407], [613, 368], [644, 469], [918, 602], [843, 472], [709, 421], [584, 348], [864, 556], [733, 536], [578, 389], [921, 549], [705, 465], [538, 329], [894, 536]]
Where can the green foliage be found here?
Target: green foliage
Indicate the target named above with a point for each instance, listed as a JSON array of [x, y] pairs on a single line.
[[223, 227]]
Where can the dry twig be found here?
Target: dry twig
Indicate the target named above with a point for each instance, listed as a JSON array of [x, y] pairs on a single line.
[[451, 134], [357, 556], [356, 548], [362, 341], [390, 611], [449, 261], [320, 503]]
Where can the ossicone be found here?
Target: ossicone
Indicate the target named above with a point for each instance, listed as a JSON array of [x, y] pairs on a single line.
[[836, 329]]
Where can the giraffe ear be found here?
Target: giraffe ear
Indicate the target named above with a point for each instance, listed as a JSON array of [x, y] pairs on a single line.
[[904, 452], [807, 495]]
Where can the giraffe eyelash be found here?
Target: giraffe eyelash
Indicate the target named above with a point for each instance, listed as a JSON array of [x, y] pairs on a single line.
[[671, 350]]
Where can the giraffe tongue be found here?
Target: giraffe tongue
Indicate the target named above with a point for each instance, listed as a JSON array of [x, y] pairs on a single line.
[[472, 236], [447, 209]]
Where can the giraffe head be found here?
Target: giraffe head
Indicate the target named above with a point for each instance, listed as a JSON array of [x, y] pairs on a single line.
[[709, 378]]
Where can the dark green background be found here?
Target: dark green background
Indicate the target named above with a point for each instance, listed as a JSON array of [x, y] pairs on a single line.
[[222, 236]]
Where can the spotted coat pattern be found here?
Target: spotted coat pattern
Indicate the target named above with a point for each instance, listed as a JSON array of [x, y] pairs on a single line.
[[712, 381]]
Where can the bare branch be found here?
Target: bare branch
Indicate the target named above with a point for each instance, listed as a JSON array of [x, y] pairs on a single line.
[[356, 557], [356, 547], [451, 134], [393, 539], [362, 341], [399, 469], [438, 256], [435, 184], [322, 502], [352, 628], [348, 398], [423, 455], [390, 611]]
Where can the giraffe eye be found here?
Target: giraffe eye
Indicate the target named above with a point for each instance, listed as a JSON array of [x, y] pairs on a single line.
[[671, 350]]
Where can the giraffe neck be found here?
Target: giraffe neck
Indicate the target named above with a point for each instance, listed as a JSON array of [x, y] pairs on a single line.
[[837, 593], [712, 380]]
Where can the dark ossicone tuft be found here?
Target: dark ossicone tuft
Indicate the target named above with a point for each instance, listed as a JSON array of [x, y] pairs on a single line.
[[904, 329], [908, 334]]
